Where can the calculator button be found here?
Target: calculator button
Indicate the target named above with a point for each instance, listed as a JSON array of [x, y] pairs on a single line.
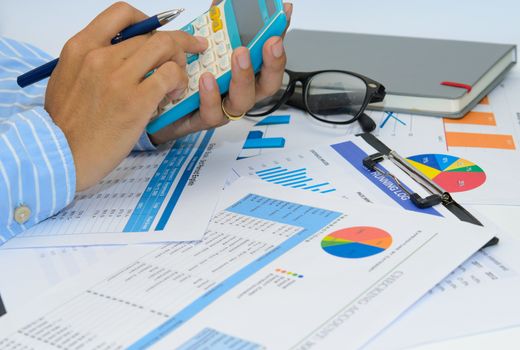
[[189, 29], [203, 31], [219, 37], [180, 98], [221, 50], [193, 68], [207, 58], [211, 45], [216, 25], [200, 22], [214, 12], [224, 63], [194, 83], [161, 110], [190, 58], [212, 69]]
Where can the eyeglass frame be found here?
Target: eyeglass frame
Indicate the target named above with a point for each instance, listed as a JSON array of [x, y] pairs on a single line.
[[375, 93]]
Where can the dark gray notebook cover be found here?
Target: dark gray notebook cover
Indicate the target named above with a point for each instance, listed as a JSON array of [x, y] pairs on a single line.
[[406, 66]]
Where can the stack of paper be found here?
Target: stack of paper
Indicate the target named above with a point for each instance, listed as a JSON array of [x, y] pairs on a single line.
[[281, 256], [305, 249]]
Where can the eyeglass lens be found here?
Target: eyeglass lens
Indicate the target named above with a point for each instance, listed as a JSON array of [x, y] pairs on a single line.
[[336, 97], [333, 97], [268, 103]]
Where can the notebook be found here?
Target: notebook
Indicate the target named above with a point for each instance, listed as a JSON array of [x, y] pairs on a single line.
[[420, 75]]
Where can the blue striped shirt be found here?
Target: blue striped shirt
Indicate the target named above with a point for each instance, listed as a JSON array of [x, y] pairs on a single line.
[[36, 165]]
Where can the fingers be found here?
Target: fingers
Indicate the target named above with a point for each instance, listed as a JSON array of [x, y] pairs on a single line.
[[160, 48], [127, 48], [169, 79], [274, 61], [240, 99], [288, 9], [210, 113], [244, 89], [208, 116], [271, 74], [111, 21], [241, 96]]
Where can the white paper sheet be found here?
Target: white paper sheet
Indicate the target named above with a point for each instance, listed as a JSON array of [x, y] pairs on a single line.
[[487, 142], [481, 295], [487, 153], [443, 314], [27, 273], [335, 168], [265, 264], [160, 196]]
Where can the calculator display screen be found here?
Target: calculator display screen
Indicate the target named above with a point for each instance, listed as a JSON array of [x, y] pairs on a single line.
[[249, 19]]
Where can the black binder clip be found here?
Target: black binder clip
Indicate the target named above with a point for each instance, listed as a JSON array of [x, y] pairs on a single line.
[[371, 162]]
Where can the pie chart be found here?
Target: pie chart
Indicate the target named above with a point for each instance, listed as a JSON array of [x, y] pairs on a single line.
[[452, 173], [356, 242]]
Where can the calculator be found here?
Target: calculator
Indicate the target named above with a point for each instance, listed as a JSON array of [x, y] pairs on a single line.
[[227, 25]]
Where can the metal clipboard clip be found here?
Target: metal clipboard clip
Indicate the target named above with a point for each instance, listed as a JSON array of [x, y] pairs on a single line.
[[438, 195]]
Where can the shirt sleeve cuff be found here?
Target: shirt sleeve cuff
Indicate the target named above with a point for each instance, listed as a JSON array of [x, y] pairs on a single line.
[[144, 143], [37, 176]]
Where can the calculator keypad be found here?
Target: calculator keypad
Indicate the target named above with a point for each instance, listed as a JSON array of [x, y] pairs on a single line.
[[216, 59]]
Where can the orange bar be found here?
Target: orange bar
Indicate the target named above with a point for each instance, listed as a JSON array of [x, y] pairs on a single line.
[[475, 118], [464, 139], [485, 101]]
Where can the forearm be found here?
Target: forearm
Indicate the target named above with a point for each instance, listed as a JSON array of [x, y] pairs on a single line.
[[37, 175]]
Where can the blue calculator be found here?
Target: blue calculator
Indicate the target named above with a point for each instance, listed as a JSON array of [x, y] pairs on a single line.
[[228, 25]]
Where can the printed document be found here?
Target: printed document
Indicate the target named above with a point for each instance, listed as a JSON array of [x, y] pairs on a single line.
[[473, 157], [479, 296], [161, 196], [272, 258], [335, 169], [482, 148]]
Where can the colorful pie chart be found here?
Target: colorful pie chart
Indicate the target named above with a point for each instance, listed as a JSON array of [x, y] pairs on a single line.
[[453, 174], [356, 242]]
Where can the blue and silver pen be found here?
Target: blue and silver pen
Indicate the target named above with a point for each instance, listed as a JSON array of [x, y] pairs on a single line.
[[143, 27]]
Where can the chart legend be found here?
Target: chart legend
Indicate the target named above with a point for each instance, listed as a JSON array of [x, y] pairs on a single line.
[[289, 273], [453, 174], [357, 242]]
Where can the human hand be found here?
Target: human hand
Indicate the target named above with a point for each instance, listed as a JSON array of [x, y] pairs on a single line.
[[244, 91], [98, 96]]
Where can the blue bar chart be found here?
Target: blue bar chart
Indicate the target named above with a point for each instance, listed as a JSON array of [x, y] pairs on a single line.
[[275, 120], [295, 178], [256, 138]]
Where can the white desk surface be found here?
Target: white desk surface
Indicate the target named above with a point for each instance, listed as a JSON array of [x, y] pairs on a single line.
[[48, 24]]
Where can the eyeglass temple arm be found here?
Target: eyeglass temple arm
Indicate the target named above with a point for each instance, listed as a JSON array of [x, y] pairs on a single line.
[[367, 124], [379, 95]]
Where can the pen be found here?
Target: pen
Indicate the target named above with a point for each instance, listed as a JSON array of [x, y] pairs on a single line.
[[148, 25]]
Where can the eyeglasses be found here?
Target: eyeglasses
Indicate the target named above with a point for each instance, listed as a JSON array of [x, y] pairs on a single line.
[[331, 96]]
